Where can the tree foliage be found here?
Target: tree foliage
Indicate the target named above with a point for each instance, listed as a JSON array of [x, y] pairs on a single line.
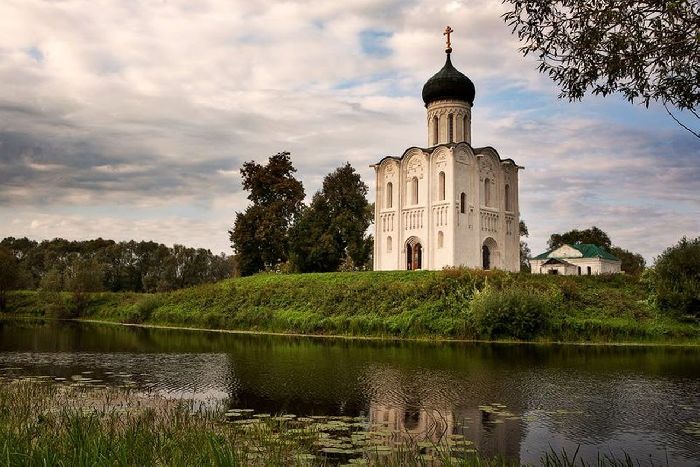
[[8, 274], [332, 231], [646, 50], [260, 234], [592, 235], [632, 263], [677, 278], [525, 252], [124, 266]]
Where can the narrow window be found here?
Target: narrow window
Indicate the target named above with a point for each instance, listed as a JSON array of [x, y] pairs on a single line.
[[579, 270], [441, 186], [389, 194], [441, 239], [487, 192], [466, 127], [463, 203], [436, 132], [588, 270], [388, 244], [414, 189], [450, 128], [507, 194]]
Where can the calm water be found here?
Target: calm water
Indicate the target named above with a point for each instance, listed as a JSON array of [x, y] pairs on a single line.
[[641, 400]]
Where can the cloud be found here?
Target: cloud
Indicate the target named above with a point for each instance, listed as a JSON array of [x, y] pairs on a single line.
[[131, 119]]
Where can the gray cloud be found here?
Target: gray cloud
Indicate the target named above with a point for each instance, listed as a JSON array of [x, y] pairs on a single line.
[[130, 120]]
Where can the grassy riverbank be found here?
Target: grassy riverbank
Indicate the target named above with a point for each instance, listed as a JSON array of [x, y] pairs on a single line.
[[456, 304]]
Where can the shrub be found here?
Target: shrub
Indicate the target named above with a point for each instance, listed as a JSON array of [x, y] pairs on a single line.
[[676, 280], [511, 312], [142, 310]]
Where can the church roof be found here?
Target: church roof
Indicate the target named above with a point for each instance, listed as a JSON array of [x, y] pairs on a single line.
[[476, 151], [588, 250], [449, 83]]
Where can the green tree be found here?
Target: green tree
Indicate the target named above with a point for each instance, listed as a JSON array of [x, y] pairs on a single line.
[[525, 252], [333, 229], [50, 288], [260, 234], [83, 277], [593, 235], [646, 50], [8, 274], [632, 263], [676, 278]]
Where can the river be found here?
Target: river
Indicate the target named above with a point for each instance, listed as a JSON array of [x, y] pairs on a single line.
[[514, 400]]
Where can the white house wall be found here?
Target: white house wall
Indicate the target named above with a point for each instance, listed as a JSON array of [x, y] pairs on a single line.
[[598, 266]]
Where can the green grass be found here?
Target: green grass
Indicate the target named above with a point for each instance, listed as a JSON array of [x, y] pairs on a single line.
[[451, 304]]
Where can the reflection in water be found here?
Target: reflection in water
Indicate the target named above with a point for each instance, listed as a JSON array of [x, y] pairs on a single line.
[[513, 400], [427, 407]]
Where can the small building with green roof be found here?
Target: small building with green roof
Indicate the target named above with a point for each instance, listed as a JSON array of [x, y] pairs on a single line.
[[576, 259]]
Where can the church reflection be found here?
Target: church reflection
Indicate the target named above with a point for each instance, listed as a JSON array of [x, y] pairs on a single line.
[[432, 413]]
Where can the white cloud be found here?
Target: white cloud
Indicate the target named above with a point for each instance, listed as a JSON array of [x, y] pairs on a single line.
[[134, 117]]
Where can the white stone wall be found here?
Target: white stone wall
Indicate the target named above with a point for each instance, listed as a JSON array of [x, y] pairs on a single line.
[[447, 236], [598, 266], [461, 122]]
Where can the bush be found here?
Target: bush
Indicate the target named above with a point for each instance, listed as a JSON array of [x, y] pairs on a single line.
[[676, 278], [142, 310], [512, 312]]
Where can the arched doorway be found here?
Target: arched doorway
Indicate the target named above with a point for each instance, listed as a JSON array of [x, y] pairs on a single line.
[[485, 257], [414, 254], [489, 254]]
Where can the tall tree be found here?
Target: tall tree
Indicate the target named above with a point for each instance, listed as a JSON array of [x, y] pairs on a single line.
[[83, 277], [260, 234], [8, 274], [632, 263], [525, 252], [333, 228], [593, 235], [646, 50], [676, 278]]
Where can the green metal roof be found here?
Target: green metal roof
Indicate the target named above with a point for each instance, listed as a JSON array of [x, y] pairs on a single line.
[[588, 250]]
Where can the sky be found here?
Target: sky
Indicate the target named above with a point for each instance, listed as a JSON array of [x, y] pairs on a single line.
[[130, 119]]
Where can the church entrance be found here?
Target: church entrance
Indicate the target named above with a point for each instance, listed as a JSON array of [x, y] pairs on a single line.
[[486, 257], [489, 254], [414, 256]]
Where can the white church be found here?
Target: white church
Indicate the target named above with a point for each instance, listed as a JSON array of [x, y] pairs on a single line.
[[448, 204]]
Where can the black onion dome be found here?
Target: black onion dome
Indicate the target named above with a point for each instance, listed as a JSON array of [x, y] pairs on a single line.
[[449, 83]]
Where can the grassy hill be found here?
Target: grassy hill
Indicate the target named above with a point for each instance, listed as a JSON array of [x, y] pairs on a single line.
[[453, 304]]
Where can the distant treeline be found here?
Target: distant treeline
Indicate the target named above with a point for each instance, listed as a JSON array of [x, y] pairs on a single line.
[[107, 265]]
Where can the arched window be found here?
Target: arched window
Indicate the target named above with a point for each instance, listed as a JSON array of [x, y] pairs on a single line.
[[463, 203], [507, 194], [414, 190], [388, 244], [389, 194], [436, 130], [487, 192], [441, 186], [450, 128], [466, 127], [441, 239]]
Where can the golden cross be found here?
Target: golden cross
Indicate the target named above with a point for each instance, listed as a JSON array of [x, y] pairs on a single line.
[[448, 31]]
